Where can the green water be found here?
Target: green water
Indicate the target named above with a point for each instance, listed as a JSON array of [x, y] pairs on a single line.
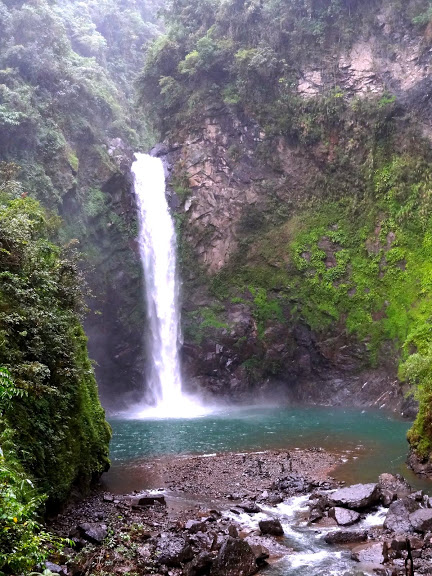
[[373, 441]]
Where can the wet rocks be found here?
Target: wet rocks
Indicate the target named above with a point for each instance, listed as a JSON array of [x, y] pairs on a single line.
[[235, 558], [271, 526], [421, 520], [343, 516], [174, 550], [249, 507], [346, 536], [355, 497], [398, 515], [371, 553], [93, 532]]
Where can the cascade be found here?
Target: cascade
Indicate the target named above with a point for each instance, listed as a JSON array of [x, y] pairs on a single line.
[[157, 246]]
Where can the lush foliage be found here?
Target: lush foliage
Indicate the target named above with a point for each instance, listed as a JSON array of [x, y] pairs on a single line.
[[246, 54], [57, 420], [23, 541]]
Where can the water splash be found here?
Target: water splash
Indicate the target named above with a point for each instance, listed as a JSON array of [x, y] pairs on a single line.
[[157, 246]]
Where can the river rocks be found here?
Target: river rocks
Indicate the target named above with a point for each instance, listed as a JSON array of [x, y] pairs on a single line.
[[93, 532], [371, 553], [357, 496], [394, 484], [397, 518], [174, 550], [235, 558], [346, 536], [200, 565], [421, 520], [250, 507], [272, 526], [343, 516], [195, 526]]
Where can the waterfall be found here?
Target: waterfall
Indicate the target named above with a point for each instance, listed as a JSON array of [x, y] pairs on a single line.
[[157, 246]]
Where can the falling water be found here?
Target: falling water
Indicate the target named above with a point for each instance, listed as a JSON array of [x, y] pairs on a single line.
[[157, 245]]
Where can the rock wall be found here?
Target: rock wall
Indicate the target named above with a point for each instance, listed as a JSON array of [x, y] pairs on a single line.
[[228, 175]]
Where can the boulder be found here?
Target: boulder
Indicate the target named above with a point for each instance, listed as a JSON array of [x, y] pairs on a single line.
[[343, 516], [200, 565], [395, 484], [397, 518], [261, 554], [93, 532], [421, 520], [250, 507], [195, 526], [346, 536], [271, 526], [235, 558], [357, 496], [174, 550], [149, 500], [371, 553]]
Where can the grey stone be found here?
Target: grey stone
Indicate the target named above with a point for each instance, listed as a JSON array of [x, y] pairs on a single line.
[[371, 553], [421, 520], [395, 484], [343, 516], [174, 550], [250, 507], [357, 496], [271, 526], [93, 532], [397, 518], [200, 564], [346, 536], [195, 526], [235, 558]]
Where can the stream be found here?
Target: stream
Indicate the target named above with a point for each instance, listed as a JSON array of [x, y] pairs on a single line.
[[370, 442]]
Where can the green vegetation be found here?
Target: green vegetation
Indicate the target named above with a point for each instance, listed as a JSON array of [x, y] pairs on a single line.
[[54, 417], [23, 541]]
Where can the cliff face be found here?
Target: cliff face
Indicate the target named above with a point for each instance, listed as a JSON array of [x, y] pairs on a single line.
[[305, 202]]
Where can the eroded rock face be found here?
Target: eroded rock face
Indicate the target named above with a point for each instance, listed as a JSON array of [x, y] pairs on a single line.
[[357, 496]]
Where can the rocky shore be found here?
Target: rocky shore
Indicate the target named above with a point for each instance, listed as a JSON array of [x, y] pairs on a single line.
[[232, 514]]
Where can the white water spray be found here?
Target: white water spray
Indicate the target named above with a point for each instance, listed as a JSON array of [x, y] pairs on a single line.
[[157, 245]]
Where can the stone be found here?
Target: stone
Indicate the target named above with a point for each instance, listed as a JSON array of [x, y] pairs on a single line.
[[273, 499], [108, 498], [235, 558], [200, 565], [357, 496], [93, 532], [397, 518], [261, 554], [346, 536], [371, 553], [344, 517], [174, 550], [55, 568], [195, 526], [271, 526], [150, 500], [421, 520], [395, 484], [250, 507]]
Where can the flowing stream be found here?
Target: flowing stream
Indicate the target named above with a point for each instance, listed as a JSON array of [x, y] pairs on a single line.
[[157, 245]]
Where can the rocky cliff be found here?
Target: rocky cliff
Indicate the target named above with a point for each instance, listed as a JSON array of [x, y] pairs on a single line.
[[301, 181]]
